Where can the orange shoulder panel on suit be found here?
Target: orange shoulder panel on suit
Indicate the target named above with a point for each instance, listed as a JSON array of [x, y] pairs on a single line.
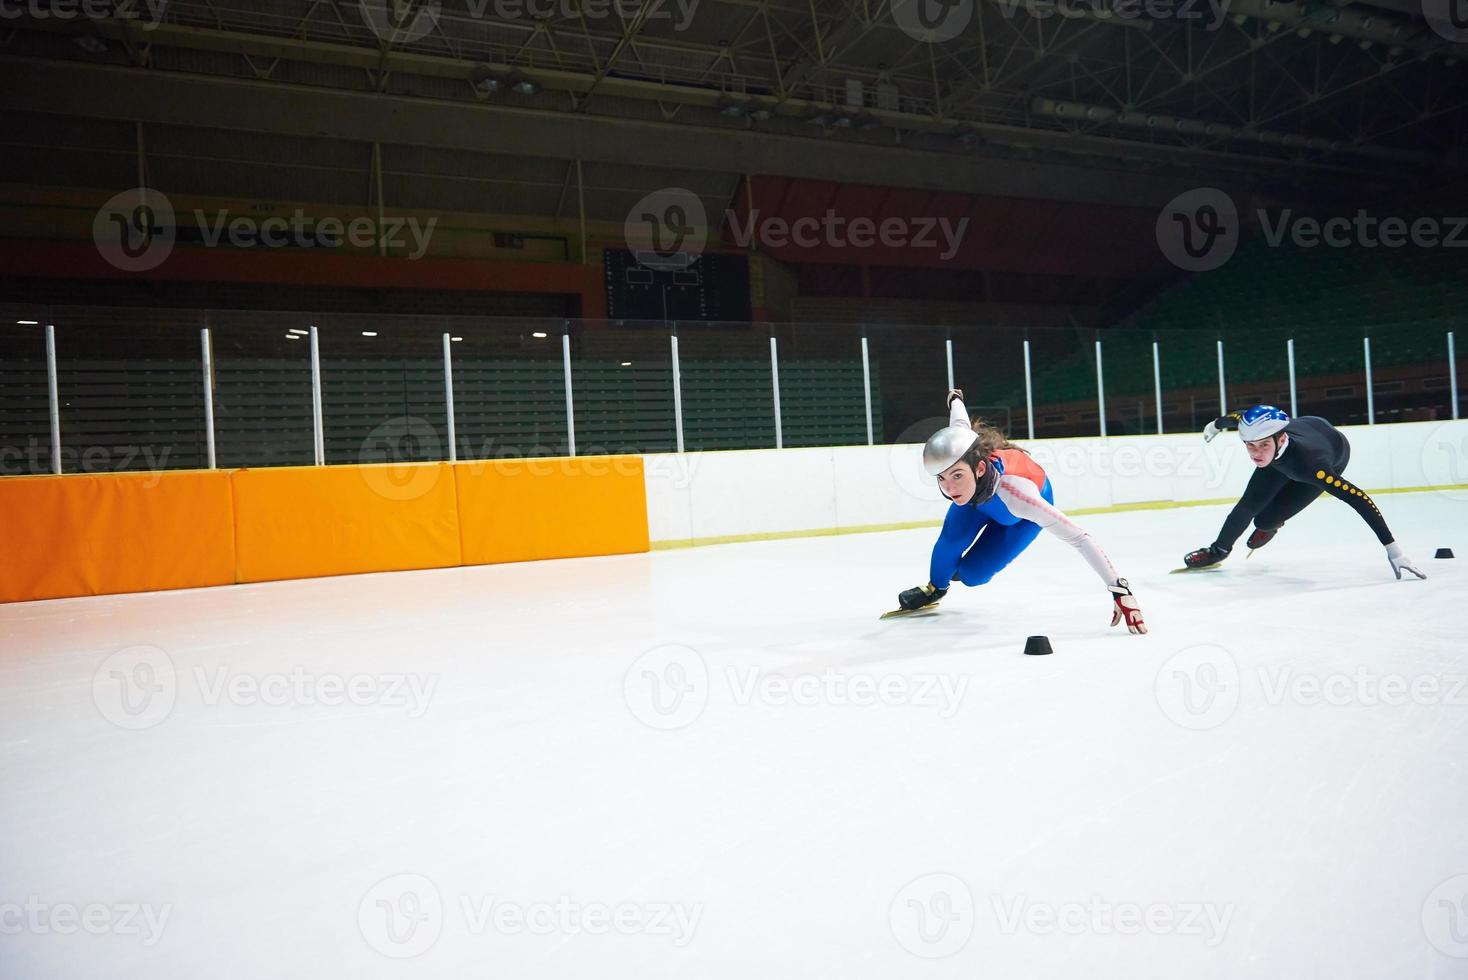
[[1018, 463]]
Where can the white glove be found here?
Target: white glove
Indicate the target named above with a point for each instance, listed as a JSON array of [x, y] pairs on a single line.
[[955, 393], [1125, 607], [1210, 431], [1400, 562]]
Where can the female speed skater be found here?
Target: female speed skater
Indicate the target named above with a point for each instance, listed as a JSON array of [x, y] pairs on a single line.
[[1296, 460], [1001, 499]]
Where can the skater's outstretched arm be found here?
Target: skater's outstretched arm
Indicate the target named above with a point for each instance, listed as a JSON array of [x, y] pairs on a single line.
[[1021, 497], [1362, 504], [960, 527], [957, 412]]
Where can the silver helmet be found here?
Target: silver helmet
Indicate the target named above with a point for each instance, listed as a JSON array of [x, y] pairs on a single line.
[[946, 447]]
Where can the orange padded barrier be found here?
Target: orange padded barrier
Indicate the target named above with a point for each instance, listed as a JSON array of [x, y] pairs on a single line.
[[339, 520], [111, 533], [524, 509]]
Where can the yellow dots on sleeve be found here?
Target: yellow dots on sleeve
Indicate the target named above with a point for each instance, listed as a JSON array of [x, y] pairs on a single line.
[[1320, 474]]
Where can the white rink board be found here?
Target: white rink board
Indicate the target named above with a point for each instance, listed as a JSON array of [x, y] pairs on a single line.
[[755, 492]]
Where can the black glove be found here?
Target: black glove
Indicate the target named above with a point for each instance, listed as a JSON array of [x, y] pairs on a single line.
[[1204, 557], [923, 595]]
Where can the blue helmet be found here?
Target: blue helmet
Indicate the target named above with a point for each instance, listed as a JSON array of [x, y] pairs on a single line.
[[1261, 421]]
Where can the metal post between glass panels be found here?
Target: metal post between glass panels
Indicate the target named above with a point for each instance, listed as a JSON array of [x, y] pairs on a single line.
[[570, 405], [775, 381], [1453, 374], [54, 396], [207, 348], [1370, 391], [317, 426], [1100, 390], [677, 395], [1294, 393], [1222, 390], [866, 385], [448, 395], [1157, 381], [1029, 394]]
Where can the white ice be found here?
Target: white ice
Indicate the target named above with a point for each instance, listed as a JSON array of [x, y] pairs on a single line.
[[598, 773]]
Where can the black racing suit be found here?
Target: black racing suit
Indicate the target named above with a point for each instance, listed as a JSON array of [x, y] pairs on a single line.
[[1311, 463]]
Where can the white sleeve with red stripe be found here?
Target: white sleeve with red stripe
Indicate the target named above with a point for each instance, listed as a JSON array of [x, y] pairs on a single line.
[[1023, 499]]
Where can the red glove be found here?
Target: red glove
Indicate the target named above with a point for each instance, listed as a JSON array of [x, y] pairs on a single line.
[[1126, 607]]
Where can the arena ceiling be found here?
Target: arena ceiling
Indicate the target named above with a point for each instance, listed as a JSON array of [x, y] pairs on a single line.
[[536, 106]]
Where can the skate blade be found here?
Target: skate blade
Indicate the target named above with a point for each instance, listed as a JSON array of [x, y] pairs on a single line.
[[1205, 568], [900, 613]]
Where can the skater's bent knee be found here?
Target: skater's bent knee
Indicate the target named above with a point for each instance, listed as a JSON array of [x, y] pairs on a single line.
[[976, 576]]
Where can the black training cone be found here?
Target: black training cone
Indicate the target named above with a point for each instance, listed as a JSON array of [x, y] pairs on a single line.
[[1444, 553], [1037, 646]]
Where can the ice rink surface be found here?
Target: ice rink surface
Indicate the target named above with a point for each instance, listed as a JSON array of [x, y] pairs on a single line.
[[718, 763]]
